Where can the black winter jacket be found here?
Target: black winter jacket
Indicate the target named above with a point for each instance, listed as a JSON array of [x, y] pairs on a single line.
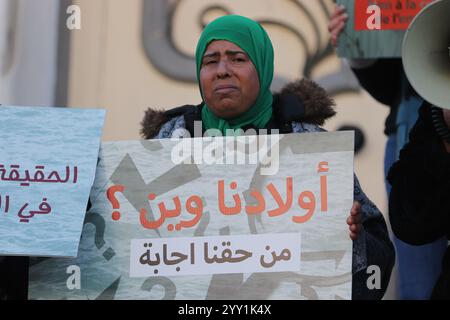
[[419, 204]]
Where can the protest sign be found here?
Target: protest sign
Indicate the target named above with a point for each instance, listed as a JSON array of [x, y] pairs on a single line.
[[249, 217], [47, 167], [375, 28]]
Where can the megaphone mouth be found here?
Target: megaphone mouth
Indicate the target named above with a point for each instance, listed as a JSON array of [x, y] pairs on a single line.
[[426, 53]]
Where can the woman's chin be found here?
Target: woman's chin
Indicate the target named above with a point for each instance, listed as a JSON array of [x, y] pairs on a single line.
[[227, 113]]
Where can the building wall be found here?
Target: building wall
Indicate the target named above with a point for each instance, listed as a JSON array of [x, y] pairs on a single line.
[[28, 42]]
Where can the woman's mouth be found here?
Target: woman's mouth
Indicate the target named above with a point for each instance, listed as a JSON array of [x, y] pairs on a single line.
[[225, 88]]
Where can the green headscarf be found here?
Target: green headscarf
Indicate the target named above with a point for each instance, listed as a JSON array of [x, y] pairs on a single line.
[[253, 39]]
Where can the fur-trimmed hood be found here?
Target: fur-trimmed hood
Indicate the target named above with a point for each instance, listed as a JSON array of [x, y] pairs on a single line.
[[317, 104]]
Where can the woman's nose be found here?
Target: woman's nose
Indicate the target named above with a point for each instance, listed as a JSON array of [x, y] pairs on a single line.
[[223, 69]]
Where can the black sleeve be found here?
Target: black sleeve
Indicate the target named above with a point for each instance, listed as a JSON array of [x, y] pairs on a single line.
[[382, 80], [14, 278], [380, 253], [372, 248], [419, 203]]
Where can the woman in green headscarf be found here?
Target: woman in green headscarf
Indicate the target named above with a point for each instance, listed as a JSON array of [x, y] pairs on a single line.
[[235, 63], [235, 70]]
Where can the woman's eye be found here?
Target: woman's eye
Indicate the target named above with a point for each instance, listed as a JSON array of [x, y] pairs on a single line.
[[209, 62]]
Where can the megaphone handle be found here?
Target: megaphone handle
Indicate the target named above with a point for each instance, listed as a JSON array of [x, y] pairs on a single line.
[[440, 126]]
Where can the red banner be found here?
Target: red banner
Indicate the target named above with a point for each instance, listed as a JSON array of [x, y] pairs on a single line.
[[391, 15]]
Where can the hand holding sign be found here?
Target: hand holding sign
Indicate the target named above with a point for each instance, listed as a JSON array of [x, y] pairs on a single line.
[[337, 23], [354, 221]]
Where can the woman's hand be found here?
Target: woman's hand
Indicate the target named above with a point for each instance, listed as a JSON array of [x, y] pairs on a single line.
[[354, 221], [337, 23]]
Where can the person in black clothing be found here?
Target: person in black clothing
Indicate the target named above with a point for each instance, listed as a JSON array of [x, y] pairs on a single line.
[[14, 278], [419, 204], [385, 80]]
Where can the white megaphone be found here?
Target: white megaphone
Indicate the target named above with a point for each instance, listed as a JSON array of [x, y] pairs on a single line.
[[426, 53]]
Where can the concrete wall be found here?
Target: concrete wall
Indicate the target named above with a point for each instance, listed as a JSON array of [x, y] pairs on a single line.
[[28, 49]]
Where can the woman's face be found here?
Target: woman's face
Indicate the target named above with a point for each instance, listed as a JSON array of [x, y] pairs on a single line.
[[229, 80]]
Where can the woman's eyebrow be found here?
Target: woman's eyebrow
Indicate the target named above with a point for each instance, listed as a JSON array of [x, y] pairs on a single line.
[[211, 54], [233, 53], [228, 52]]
